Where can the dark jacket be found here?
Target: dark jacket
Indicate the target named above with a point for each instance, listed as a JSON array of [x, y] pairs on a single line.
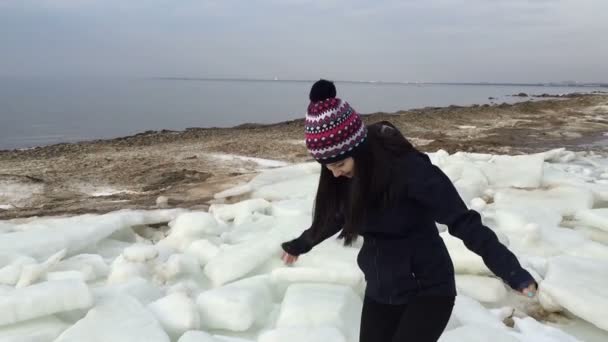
[[402, 253]]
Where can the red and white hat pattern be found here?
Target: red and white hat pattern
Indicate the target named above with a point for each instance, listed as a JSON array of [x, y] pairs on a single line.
[[333, 130]]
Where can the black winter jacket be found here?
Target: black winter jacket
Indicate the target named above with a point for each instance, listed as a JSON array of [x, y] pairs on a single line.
[[402, 253]]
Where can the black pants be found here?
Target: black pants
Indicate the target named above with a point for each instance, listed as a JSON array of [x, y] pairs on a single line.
[[421, 320]]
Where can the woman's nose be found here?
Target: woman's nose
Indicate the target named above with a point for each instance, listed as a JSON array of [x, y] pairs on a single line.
[[336, 173]]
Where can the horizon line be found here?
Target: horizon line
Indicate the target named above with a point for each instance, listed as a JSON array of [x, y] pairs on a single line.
[[276, 79]]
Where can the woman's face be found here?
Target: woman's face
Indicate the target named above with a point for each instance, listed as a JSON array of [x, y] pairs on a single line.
[[345, 168]]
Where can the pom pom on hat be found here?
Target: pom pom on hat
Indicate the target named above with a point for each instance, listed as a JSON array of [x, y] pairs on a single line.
[[322, 90]]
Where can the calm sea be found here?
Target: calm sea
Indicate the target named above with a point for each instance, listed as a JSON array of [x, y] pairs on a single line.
[[38, 111]]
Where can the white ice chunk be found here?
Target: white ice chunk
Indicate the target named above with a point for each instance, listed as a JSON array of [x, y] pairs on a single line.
[[518, 222], [478, 333], [140, 253], [204, 250], [534, 331], [138, 288], [331, 255], [44, 299], [317, 305], [177, 313], [36, 330], [478, 204], [469, 311], [571, 242], [555, 176], [292, 207], [563, 200], [553, 155], [192, 226], [483, 289], [239, 211], [579, 285], [298, 188], [4, 289], [31, 273], [179, 265], [7, 259], [92, 266], [222, 338], [42, 239], [471, 183], [596, 218], [314, 334], [514, 171], [480, 157], [264, 163], [537, 264], [235, 262], [109, 249], [465, 261], [62, 275], [273, 176], [190, 287], [195, 224], [594, 234], [249, 228], [125, 234], [238, 190], [117, 319], [10, 274], [286, 276], [236, 306], [197, 336], [122, 270]]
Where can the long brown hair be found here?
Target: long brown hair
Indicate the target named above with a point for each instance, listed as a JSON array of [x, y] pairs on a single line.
[[369, 189]]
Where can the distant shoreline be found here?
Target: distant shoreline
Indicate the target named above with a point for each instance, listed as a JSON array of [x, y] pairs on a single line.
[[538, 84]]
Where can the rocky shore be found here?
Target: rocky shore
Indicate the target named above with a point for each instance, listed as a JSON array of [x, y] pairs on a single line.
[[187, 167]]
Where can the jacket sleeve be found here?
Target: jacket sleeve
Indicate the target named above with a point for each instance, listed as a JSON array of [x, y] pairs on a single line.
[[427, 184], [306, 241]]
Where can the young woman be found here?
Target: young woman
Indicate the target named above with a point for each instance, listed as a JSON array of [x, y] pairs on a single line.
[[375, 184]]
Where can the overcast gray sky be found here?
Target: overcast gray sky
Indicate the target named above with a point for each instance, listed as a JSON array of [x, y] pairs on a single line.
[[409, 40]]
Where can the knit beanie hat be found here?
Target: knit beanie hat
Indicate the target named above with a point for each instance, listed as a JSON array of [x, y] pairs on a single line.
[[333, 130]]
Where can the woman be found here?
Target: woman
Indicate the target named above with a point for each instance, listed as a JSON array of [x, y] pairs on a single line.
[[374, 183]]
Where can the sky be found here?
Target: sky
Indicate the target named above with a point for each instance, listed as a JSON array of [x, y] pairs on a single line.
[[408, 40]]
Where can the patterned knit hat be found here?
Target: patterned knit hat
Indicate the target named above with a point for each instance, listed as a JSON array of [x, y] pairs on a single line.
[[333, 130]]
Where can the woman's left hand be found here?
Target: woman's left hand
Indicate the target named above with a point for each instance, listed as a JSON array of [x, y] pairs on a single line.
[[530, 291]]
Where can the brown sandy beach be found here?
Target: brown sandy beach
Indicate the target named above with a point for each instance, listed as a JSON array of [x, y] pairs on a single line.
[[189, 166]]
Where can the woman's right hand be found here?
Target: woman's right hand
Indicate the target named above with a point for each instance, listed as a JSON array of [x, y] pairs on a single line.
[[288, 258]]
